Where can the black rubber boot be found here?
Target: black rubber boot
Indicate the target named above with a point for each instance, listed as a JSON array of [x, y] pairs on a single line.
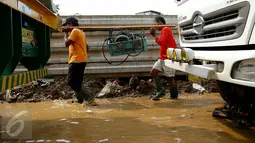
[[160, 89], [86, 95], [79, 97], [90, 100], [173, 91]]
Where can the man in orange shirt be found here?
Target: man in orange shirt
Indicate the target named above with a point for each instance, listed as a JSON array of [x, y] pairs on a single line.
[[78, 58]]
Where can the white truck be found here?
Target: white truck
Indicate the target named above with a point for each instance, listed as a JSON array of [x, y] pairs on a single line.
[[221, 34]]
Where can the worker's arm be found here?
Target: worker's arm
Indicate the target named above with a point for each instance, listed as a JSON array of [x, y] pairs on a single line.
[[163, 38], [69, 40]]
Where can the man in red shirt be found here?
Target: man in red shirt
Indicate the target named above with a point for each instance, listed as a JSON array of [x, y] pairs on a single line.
[[166, 40]]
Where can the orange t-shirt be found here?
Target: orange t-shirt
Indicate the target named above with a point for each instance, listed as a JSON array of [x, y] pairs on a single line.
[[78, 50]]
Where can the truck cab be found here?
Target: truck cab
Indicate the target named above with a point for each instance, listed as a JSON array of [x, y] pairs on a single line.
[[221, 35]]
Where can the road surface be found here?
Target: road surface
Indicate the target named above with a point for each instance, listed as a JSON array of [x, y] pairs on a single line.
[[130, 120]]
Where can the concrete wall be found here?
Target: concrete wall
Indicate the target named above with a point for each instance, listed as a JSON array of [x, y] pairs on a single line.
[[141, 64], [121, 20]]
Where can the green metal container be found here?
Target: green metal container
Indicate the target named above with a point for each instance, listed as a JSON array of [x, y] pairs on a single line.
[[24, 40], [29, 47], [127, 47]]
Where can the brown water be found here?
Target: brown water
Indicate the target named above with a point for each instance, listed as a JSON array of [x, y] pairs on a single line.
[[139, 120]]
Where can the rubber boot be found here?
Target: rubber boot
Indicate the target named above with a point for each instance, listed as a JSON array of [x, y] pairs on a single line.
[[160, 89], [173, 91], [88, 97], [79, 97]]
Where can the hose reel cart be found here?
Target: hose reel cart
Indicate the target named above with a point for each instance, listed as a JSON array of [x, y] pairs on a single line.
[[125, 42]]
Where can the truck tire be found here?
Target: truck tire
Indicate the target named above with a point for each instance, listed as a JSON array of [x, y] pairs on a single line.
[[236, 94], [240, 104], [226, 91]]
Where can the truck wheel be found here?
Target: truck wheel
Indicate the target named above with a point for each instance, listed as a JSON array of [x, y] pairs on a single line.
[[236, 94], [240, 103], [226, 91]]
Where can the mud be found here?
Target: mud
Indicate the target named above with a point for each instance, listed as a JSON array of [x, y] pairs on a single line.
[[59, 90], [129, 120]]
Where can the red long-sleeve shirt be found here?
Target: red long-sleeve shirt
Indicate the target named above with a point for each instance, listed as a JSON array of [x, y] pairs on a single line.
[[165, 41]]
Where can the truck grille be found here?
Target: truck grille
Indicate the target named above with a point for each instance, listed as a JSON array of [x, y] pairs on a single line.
[[224, 24], [212, 34]]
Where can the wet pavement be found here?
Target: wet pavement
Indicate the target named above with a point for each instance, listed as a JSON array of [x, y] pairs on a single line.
[[132, 120]]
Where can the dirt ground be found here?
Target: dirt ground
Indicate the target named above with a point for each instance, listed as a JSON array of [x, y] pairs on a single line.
[[57, 89]]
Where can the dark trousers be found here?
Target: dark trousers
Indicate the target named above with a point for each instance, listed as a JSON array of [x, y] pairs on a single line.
[[75, 75]]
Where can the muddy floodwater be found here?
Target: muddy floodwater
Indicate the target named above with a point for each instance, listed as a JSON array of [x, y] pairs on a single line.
[[132, 120]]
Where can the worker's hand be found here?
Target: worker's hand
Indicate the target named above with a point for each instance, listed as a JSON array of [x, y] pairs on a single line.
[[152, 31], [66, 28], [66, 34]]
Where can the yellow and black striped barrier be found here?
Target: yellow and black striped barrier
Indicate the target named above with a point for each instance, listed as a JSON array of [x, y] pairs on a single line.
[[10, 81]]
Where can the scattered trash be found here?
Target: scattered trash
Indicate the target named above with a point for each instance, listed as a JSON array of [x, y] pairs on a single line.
[[210, 85], [63, 141], [184, 116], [74, 122], [178, 140], [9, 97], [117, 82], [122, 81], [49, 80], [30, 141], [104, 140], [89, 112], [44, 82], [107, 89], [161, 118], [174, 131], [40, 141], [64, 119], [57, 89], [7, 94], [134, 82], [198, 87]]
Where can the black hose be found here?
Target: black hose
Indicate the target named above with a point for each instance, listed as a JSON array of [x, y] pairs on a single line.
[[125, 34], [141, 36], [140, 51], [107, 59], [133, 43]]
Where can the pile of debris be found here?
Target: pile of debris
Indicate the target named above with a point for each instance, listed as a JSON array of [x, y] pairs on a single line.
[[57, 89]]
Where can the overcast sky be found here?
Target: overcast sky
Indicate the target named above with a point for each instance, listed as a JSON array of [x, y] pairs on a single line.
[[115, 7]]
